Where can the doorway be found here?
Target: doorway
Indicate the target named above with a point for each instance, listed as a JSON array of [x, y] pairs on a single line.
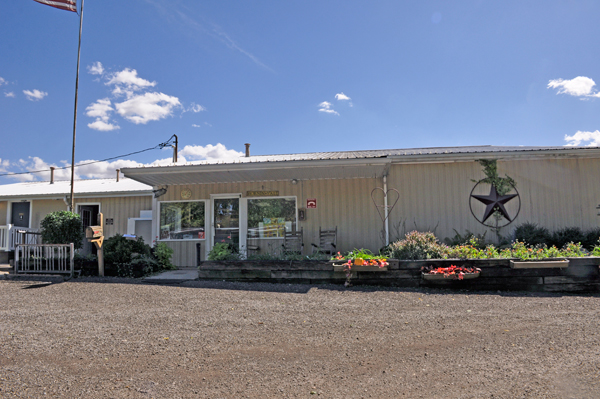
[[20, 213], [226, 221], [89, 217]]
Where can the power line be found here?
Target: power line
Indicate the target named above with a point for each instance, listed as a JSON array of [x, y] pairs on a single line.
[[161, 145]]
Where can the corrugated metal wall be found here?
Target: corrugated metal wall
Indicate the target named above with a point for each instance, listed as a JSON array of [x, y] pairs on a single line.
[[554, 193], [119, 209], [345, 203], [41, 208]]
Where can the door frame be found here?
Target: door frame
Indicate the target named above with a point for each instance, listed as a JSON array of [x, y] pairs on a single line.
[[243, 220], [9, 211]]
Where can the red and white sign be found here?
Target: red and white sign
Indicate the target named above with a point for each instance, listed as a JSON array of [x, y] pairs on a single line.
[[311, 203]]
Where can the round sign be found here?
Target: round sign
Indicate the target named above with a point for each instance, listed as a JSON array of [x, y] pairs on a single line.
[[186, 193]]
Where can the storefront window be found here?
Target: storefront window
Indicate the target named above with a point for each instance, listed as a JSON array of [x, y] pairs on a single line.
[[182, 220], [271, 217]]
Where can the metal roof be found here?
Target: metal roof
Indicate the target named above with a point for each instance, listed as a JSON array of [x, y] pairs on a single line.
[[88, 187], [331, 165]]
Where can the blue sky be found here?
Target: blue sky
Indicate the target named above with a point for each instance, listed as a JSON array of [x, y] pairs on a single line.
[[291, 76]]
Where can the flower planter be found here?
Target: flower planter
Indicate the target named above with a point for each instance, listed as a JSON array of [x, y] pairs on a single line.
[[441, 277], [353, 268], [558, 263]]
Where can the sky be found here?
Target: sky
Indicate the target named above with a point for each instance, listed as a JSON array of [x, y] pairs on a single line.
[[290, 77]]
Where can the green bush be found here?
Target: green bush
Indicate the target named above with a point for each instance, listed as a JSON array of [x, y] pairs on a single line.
[[532, 234], [417, 245], [566, 235], [223, 251], [466, 239], [130, 258], [591, 238], [62, 227], [163, 254]]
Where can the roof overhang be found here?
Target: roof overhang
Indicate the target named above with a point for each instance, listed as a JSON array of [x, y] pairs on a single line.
[[260, 171]]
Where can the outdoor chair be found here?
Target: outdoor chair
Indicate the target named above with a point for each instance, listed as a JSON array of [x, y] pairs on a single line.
[[293, 242], [327, 242]]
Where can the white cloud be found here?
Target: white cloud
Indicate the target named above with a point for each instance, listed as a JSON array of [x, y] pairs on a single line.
[[147, 107], [196, 108], [2, 81], [326, 107], [580, 86], [209, 152], [9, 94], [103, 126], [106, 169], [194, 125], [592, 139], [127, 81], [96, 68], [342, 97], [35, 95], [101, 110]]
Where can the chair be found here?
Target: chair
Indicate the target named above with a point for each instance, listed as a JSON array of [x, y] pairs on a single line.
[[293, 242], [327, 242]]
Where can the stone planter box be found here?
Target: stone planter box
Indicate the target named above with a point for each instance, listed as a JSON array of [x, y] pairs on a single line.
[[542, 264]]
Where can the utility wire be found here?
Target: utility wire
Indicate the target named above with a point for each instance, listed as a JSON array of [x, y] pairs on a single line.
[[161, 145]]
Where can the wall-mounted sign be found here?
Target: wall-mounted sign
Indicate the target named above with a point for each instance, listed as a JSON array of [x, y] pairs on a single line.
[[186, 193], [109, 221], [311, 203], [273, 193]]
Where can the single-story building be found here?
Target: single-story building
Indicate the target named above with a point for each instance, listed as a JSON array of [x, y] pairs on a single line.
[[125, 204], [252, 201]]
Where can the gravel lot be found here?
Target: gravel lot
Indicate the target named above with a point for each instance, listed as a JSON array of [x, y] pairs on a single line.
[[117, 338]]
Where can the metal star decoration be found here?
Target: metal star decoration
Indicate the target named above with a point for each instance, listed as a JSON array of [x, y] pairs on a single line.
[[494, 202]]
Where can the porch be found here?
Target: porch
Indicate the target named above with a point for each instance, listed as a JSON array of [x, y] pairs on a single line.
[[11, 236]]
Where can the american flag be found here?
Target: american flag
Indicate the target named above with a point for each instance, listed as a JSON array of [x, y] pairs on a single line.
[[68, 5]]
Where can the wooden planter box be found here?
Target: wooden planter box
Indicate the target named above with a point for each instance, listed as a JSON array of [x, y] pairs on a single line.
[[441, 277], [354, 268], [542, 264]]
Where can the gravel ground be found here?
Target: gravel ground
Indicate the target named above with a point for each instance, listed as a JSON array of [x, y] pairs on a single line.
[[118, 338]]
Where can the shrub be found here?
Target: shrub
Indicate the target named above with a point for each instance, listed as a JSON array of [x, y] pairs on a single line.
[[567, 235], [62, 227], [590, 240], [532, 234], [118, 249], [163, 254], [223, 251], [467, 238], [417, 245]]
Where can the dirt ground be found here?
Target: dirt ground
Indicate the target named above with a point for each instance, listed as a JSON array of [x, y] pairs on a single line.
[[118, 338]]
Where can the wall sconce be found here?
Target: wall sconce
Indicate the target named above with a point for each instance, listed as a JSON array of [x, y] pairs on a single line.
[[294, 181], [159, 192]]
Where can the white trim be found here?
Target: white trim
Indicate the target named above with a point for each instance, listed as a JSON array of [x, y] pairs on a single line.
[[156, 216]]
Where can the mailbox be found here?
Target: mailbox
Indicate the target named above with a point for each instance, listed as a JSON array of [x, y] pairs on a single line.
[[92, 232]]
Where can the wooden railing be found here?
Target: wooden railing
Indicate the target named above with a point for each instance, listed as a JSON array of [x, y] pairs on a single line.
[[44, 258]]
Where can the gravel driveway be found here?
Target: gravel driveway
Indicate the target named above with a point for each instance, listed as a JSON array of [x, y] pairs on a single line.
[[117, 338]]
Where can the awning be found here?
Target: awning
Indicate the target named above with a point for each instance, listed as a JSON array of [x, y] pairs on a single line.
[[259, 171]]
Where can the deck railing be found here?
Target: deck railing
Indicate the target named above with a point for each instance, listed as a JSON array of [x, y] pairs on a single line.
[[11, 236], [45, 258]]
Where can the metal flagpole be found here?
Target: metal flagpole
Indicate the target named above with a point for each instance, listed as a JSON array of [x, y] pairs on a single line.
[[72, 202]]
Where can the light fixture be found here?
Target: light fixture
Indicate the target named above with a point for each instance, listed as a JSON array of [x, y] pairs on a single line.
[[294, 181], [159, 192]]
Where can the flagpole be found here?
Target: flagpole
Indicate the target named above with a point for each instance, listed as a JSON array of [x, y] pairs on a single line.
[[72, 202]]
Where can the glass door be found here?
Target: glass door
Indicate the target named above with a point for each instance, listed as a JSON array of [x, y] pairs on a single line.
[[226, 219]]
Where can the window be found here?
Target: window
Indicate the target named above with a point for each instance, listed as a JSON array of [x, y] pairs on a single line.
[[182, 220], [271, 217]]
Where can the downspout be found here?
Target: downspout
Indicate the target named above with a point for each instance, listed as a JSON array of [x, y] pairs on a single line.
[[386, 211]]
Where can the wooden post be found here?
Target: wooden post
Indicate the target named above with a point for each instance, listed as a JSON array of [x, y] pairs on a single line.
[[96, 235]]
